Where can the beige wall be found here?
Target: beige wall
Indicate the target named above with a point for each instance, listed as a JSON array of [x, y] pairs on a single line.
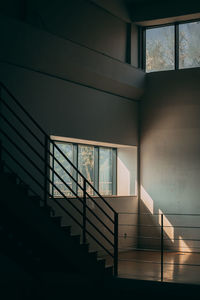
[[170, 147], [127, 171]]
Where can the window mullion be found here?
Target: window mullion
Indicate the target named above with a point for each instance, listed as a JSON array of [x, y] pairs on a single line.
[[143, 49], [114, 171], [96, 168], [75, 162], [176, 45]]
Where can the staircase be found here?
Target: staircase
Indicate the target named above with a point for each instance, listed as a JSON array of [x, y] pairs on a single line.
[[32, 234]]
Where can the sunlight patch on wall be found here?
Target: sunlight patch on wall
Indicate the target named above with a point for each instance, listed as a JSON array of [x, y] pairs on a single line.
[[183, 246], [147, 200], [136, 187], [167, 226], [123, 179]]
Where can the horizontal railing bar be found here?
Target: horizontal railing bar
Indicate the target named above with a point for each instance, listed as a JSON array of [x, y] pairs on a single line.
[[139, 249], [157, 263], [176, 251], [164, 226], [158, 214], [177, 264], [141, 237], [25, 126], [28, 158], [158, 238], [135, 225], [139, 261]]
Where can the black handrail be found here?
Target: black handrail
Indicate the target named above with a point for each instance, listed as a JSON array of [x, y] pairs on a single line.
[[36, 167], [28, 173], [35, 151], [44, 174]]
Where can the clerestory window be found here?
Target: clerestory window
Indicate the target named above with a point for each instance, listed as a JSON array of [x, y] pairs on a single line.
[[171, 47]]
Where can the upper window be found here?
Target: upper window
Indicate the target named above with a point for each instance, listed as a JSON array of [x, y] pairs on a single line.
[[97, 164], [189, 45], [172, 47], [160, 49]]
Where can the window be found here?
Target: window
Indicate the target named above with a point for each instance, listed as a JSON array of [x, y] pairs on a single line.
[[172, 47], [189, 45], [160, 49], [97, 164], [107, 171]]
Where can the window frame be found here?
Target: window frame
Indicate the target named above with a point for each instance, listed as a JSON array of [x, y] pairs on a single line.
[[96, 167], [142, 49]]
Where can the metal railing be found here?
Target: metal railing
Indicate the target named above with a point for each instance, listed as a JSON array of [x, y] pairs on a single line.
[[165, 246], [26, 148]]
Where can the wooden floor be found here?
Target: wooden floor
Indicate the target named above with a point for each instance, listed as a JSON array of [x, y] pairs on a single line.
[[145, 265]]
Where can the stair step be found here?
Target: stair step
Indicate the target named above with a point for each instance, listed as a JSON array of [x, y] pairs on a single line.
[[67, 229], [24, 187], [46, 209], [12, 177], [57, 220], [109, 270], [85, 247], [35, 199], [93, 254], [2, 166], [101, 262], [76, 238]]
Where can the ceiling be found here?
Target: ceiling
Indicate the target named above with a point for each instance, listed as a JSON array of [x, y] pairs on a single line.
[[140, 11]]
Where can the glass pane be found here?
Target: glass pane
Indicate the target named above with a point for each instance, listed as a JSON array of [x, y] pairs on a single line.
[[189, 45], [86, 165], [160, 49], [67, 149], [105, 171]]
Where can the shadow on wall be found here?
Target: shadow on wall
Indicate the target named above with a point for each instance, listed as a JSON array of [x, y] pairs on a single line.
[[181, 232]]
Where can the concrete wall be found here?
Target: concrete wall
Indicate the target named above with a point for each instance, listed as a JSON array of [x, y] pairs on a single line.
[[170, 160], [81, 22], [63, 81]]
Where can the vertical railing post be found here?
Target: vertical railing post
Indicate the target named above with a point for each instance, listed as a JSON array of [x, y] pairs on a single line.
[[45, 169], [161, 249], [116, 244], [84, 211], [1, 153], [0, 126]]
